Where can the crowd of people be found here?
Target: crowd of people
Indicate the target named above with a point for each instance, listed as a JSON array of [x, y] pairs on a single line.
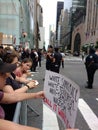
[[13, 74], [15, 67], [34, 54], [14, 70], [54, 58]]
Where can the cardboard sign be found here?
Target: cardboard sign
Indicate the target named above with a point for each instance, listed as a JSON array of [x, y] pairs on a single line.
[[62, 96]]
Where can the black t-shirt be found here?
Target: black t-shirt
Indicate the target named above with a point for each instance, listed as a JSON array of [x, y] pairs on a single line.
[[49, 61], [91, 60], [10, 108], [11, 81], [58, 58]]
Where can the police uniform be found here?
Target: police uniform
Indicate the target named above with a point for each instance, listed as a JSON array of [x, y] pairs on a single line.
[[91, 64], [57, 60]]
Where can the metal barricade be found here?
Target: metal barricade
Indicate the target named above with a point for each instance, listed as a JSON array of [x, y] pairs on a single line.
[[17, 113], [20, 115], [23, 114]]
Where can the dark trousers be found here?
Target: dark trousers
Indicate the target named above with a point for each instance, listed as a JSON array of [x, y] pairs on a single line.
[[48, 66], [9, 110], [39, 62], [34, 65], [62, 64], [90, 74], [55, 68]]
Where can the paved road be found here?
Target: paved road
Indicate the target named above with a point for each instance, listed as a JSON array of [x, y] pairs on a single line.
[[87, 115]]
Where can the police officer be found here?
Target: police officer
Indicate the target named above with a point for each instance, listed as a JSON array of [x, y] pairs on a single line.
[[57, 58], [49, 58], [91, 63]]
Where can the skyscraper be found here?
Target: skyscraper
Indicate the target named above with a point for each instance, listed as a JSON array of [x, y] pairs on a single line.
[[9, 22], [77, 3], [67, 4], [60, 6]]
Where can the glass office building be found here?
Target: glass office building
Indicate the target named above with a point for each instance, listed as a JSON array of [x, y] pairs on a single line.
[[9, 21]]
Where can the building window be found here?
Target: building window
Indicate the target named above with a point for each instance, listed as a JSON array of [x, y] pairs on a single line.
[[7, 8], [7, 24]]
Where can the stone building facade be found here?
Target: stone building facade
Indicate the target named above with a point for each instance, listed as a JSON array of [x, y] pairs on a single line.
[[87, 31]]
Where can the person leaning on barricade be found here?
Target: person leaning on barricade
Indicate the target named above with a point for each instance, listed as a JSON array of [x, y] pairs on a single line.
[[22, 69], [7, 98], [11, 56], [14, 84]]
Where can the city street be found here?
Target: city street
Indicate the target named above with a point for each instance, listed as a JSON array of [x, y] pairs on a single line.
[[36, 27], [87, 115]]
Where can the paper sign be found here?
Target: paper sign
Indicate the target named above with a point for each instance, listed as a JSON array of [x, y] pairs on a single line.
[[62, 96]]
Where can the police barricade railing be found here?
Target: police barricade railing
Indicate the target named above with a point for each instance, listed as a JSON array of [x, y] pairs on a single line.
[[23, 113], [17, 113], [20, 115]]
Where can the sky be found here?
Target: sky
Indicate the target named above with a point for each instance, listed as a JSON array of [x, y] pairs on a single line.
[[49, 14]]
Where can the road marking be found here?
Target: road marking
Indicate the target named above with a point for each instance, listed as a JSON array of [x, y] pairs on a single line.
[[88, 115], [49, 119]]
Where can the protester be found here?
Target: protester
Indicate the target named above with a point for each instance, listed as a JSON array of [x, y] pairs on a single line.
[[22, 69], [7, 98], [91, 63], [11, 56], [13, 84]]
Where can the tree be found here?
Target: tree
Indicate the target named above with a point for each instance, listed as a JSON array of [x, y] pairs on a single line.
[[96, 46]]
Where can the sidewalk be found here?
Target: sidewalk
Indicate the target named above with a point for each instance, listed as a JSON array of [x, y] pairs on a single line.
[[47, 119]]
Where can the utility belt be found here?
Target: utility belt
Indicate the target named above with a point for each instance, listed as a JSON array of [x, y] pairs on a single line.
[[92, 64]]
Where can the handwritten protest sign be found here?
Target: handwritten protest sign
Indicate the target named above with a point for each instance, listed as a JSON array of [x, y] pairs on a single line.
[[62, 96]]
